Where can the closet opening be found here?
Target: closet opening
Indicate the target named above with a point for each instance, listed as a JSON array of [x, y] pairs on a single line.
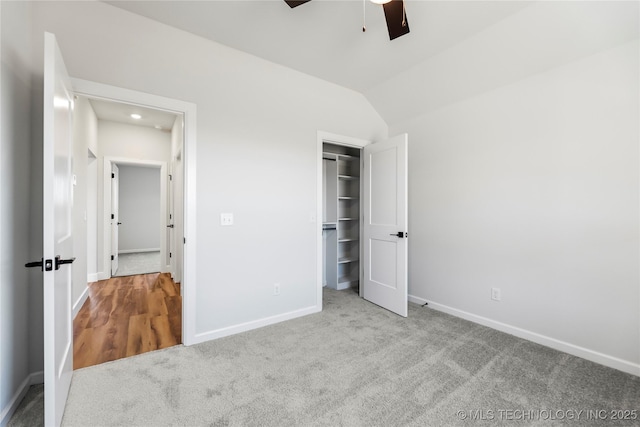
[[341, 217]]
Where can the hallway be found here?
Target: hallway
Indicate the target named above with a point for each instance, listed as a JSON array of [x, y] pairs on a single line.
[[126, 316]]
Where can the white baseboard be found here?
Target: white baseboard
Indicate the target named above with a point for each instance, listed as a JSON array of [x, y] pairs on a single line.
[[585, 353], [93, 277], [7, 411], [104, 275], [80, 302], [133, 251], [243, 327]]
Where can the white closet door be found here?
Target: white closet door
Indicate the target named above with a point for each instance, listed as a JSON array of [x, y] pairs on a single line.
[[385, 224]]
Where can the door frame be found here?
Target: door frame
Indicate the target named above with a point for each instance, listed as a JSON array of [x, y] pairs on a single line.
[[115, 219], [107, 204], [347, 141], [188, 110]]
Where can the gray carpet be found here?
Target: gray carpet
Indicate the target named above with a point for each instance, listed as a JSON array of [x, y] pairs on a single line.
[[30, 412], [138, 263], [354, 364]]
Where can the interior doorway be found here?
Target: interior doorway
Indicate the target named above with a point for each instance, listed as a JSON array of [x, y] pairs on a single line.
[[341, 225], [339, 212], [137, 228], [368, 185], [137, 147]]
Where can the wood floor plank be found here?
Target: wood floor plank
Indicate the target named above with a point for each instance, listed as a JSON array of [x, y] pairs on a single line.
[[82, 353], [160, 326], [174, 305], [140, 339], [167, 285], [124, 316], [82, 320], [157, 306], [112, 340]]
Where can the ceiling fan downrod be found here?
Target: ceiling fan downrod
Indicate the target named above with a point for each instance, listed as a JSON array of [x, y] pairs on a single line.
[[364, 16]]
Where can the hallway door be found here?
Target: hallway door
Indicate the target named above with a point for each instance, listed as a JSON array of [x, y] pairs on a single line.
[[57, 232]]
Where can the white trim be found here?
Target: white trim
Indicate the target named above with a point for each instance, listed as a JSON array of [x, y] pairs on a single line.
[[255, 324], [135, 251], [92, 277], [585, 353], [102, 275], [23, 388], [332, 138], [36, 378], [80, 301], [189, 112]]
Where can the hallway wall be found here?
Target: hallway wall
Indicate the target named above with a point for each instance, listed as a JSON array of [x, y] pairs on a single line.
[[16, 368]]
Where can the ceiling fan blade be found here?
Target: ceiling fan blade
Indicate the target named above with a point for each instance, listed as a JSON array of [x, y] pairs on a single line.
[[396, 17], [295, 3]]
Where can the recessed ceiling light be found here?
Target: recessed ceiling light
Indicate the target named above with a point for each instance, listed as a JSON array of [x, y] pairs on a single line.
[[136, 116], [158, 127]]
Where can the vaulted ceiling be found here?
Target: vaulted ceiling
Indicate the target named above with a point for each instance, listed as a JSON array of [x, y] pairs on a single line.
[[455, 50]]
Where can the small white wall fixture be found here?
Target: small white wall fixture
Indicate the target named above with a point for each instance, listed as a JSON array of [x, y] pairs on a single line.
[[188, 111], [347, 141]]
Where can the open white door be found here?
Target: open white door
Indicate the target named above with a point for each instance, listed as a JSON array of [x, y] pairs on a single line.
[[115, 216], [385, 224], [57, 241]]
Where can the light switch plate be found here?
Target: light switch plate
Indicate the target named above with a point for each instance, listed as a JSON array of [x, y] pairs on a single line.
[[226, 219]]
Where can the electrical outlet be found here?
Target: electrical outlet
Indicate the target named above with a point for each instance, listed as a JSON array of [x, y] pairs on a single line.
[[276, 289], [226, 219], [495, 294]]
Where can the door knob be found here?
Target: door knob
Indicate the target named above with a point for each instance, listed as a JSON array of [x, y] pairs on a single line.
[[119, 223], [398, 234], [45, 265], [60, 261], [170, 226]]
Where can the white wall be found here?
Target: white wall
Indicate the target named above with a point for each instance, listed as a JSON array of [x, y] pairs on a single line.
[[92, 215], [533, 188], [84, 136], [15, 290], [177, 170], [133, 142], [125, 141], [256, 152], [540, 36], [139, 209]]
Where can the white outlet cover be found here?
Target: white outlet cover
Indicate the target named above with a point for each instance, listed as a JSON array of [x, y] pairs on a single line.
[[226, 219]]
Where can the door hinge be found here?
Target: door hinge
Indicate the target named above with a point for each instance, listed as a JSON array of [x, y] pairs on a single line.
[[113, 175], [170, 177], [170, 216], [170, 255], [184, 240], [113, 217], [112, 258]]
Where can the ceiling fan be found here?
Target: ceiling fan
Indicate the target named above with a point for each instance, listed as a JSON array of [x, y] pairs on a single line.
[[394, 13]]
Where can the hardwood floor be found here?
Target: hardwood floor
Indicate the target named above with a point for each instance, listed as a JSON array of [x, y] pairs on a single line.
[[125, 316]]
